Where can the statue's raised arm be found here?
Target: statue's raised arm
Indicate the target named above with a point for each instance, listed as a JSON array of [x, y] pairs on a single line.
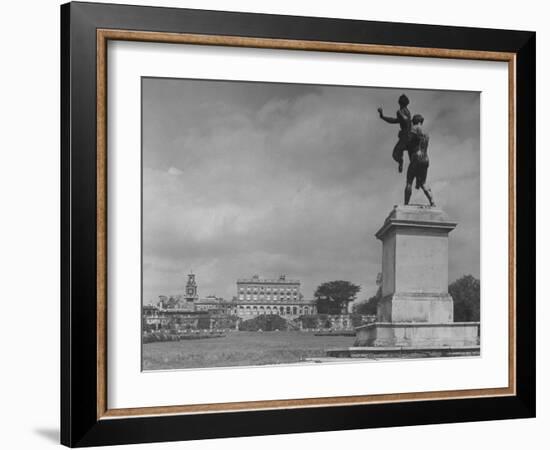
[[386, 118]]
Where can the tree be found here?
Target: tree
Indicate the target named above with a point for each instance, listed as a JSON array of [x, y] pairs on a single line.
[[466, 292], [265, 322], [333, 296], [369, 306]]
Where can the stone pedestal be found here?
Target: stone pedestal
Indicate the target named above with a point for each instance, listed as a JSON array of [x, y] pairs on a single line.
[[416, 308]]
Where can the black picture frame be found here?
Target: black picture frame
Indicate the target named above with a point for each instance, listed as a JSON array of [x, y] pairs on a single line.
[[80, 425]]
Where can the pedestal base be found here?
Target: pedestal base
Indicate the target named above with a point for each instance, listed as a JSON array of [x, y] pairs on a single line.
[[403, 334], [376, 353], [416, 308]]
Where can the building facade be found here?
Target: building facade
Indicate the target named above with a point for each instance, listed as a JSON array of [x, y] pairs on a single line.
[[280, 296], [214, 305], [191, 289], [255, 296]]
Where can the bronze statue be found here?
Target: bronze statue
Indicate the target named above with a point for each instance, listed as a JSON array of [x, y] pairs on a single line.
[[412, 138], [403, 118], [418, 166]]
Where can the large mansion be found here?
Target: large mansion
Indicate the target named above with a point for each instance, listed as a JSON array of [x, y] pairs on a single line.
[[279, 296], [255, 296]]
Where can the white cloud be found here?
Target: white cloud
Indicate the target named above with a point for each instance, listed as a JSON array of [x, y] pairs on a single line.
[[174, 171]]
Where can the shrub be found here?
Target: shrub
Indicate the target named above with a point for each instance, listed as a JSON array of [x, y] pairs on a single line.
[[268, 322]]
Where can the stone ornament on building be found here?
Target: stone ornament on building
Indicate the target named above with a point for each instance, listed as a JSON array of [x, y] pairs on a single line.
[[191, 294]]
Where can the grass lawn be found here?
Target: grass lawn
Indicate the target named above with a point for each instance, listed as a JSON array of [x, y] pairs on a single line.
[[241, 348]]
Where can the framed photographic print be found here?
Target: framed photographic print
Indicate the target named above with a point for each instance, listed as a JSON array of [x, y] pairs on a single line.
[[276, 224]]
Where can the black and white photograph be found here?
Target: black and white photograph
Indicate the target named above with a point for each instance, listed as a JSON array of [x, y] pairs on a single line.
[[301, 224], [275, 225]]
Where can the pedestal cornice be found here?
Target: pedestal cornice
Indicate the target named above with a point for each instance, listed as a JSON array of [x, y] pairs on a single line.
[[416, 216]]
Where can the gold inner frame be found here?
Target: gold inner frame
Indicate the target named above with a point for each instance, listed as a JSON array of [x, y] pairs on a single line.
[[104, 35]]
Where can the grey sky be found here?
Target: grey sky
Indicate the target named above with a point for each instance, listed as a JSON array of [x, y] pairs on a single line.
[[245, 178]]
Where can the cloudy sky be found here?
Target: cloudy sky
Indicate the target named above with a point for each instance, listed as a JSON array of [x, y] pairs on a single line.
[[244, 178]]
